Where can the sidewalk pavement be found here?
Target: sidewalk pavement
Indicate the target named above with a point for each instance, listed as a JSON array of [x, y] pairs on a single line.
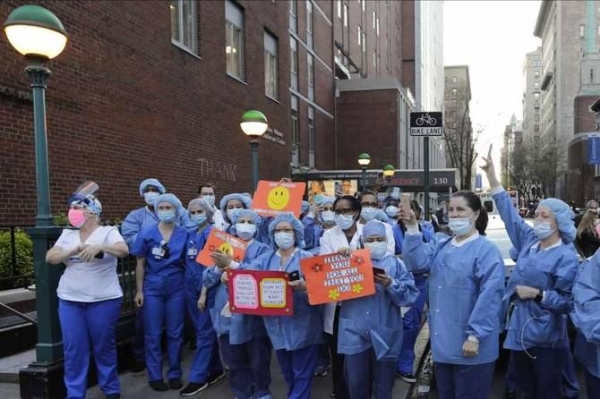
[[135, 386]]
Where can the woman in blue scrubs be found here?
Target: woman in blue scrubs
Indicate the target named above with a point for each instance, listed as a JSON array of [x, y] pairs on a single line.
[[161, 251], [538, 293], [295, 338], [245, 346], [370, 329], [89, 296], [206, 367], [466, 282]]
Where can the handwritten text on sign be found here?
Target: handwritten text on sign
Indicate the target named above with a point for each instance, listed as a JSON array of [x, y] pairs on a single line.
[[224, 243], [336, 277], [260, 293], [272, 198]]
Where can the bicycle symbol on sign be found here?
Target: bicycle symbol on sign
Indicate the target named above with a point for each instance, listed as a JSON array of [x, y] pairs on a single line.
[[427, 119]]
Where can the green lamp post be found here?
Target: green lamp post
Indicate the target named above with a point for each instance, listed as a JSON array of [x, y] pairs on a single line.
[[388, 171], [254, 124], [38, 34], [364, 160]]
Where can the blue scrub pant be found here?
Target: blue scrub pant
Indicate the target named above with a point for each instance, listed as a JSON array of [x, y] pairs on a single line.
[[570, 386], [411, 325], [138, 341], [206, 359], [164, 306], [298, 368], [249, 367], [88, 326], [365, 375], [592, 384], [456, 381], [540, 377]]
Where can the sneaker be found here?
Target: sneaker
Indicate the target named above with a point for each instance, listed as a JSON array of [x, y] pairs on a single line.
[[321, 373], [159, 386], [407, 377], [113, 396], [213, 378], [138, 367], [193, 388], [175, 383]]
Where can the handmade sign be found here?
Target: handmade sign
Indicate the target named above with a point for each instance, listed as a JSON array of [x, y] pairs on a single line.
[[260, 293], [226, 243], [272, 198], [337, 277]]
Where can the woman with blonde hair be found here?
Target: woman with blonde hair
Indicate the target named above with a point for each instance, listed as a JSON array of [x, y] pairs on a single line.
[[587, 240]]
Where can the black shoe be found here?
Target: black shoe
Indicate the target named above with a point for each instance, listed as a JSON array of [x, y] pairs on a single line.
[[193, 388], [321, 373], [138, 367], [113, 396], [159, 386], [175, 383], [215, 377], [508, 394], [407, 377]]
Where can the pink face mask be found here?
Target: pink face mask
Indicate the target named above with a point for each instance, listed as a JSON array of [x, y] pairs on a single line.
[[77, 217]]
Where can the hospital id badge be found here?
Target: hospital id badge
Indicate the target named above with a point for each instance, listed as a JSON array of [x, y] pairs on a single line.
[[192, 252], [158, 252]]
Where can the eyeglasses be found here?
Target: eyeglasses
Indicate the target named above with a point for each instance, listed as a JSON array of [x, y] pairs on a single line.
[[346, 211], [284, 230]]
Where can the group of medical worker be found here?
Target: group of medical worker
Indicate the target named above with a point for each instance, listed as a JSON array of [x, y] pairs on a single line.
[[365, 342]]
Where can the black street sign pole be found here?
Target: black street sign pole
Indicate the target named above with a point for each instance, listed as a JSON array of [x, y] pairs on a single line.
[[426, 124]]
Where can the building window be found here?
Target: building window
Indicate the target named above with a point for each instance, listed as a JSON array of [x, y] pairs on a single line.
[[359, 35], [294, 63], [591, 75], [309, 23], [454, 91], [536, 74], [536, 85], [377, 29], [536, 106], [345, 15], [374, 20], [536, 128], [364, 42], [293, 15], [536, 118], [375, 60], [454, 79], [184, 31], [339, 8], [295, 131], [270, 65], [581, 30], [311, 76], [536, 95], [364, 5], [234, 40], [311, 137], [599, 31]]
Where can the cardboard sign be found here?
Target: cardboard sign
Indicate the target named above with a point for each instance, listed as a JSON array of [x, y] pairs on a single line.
[[260, 293], [226, 243], [272, 198], [335, 277]]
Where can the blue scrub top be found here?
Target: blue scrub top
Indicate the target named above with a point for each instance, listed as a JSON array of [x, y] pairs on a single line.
[[136, 221], [147, 244]]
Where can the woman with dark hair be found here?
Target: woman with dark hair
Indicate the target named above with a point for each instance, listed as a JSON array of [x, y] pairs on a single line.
[[587, 241], [538, 293], [466, 282]]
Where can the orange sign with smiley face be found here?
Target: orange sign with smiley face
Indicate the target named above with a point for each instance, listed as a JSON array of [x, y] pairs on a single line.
[[219, 241], [272, 198]]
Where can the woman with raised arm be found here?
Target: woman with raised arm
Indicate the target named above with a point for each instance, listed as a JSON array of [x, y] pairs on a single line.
[[538, 292]]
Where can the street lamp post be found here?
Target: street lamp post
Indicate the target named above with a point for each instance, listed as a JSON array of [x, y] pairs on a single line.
[[38, 34], [388, 173], [364, 160], [254, 124]]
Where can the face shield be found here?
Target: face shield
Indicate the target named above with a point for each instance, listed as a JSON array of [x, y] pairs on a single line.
[[85, 195]]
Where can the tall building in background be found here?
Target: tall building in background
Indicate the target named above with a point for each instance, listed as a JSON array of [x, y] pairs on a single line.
[[532, 96], [458, 129], [561, 26], [513, 136]]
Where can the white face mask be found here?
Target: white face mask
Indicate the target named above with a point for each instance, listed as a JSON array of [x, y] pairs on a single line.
[[209, 198], [344, 221], [460, 226], [378, 249], [245, 231], [150, 197], [284, 240], [368, 213], [328, 217], [232, 212], [392, 211]]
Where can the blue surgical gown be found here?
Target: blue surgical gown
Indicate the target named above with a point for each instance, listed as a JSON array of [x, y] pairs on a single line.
[[465, 294], [136, 221], [552, 271], [375, 321]]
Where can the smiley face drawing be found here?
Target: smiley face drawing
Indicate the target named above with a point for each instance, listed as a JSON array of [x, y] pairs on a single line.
[[226, 248], [278, 198]]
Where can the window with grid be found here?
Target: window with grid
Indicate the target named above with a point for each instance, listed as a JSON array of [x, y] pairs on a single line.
[[234, 40], [184, 29], [270, 43]]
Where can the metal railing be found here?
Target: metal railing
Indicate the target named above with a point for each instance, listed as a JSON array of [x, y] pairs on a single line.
[[16, 258]]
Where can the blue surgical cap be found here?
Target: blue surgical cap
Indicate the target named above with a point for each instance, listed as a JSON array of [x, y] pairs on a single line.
[[89, 202], [244, 199], [326, 200], [564, 218], [381, 216], [374, 228], [296, 224], [389, 199], [206, 207], [151, 182], [305, 207], [245, 213], [171, 199]]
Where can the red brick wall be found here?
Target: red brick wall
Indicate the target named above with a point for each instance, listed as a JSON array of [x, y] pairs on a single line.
[[125, 104], [367, 122]]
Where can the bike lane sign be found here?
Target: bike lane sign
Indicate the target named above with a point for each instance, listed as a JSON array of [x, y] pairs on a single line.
[[426, 124]]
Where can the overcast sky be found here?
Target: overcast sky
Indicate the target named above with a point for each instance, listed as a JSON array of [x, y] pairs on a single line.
[[491, 37]]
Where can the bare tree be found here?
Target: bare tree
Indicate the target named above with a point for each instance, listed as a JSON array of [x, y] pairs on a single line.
[[532, 166]]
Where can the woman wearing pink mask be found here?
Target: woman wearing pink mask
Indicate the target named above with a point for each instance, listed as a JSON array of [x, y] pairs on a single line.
[[89, 296]]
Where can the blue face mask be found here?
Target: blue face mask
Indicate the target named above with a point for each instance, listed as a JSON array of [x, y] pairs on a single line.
[[344, 221], [460, 226], [328, 217], [198, 220], [150, 197], [368, 213], [245, 231], [233, 212], [542, 229], [167, 216], [378, 249], [391, 211], [284, 240]]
